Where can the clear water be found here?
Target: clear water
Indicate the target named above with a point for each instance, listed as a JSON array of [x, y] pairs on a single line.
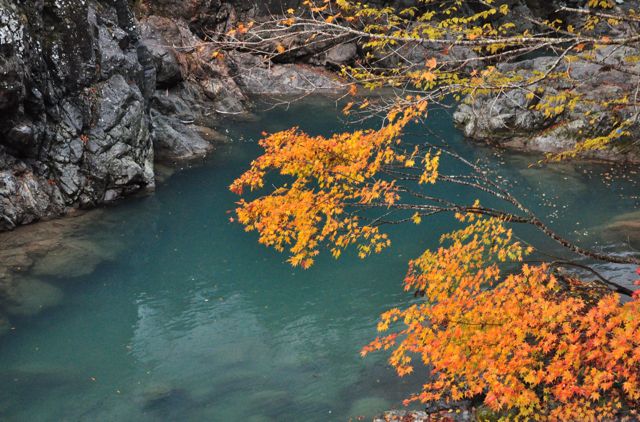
[[195, 321]]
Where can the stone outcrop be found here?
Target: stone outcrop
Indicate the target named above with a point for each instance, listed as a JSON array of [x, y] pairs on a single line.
[[75, 82], [89, 96], [512, 120], [257, 77], [193, 89]]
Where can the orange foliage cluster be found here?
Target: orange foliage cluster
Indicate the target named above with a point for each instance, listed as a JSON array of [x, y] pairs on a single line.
[[522, 340], [327, 176]]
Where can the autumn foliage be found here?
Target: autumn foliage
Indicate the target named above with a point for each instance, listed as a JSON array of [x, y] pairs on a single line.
[[488, 326], [327, 176], [526, 340]]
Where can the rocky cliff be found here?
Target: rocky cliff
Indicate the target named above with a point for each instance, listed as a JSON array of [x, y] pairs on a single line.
[[89, 94], [75, 87]]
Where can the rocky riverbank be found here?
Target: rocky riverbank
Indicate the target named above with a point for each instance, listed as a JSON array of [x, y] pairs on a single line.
[[91, 96], [512, 119]]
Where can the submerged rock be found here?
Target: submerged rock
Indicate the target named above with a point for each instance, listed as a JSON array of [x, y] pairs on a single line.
[[169, 403], [57, 248], [54, 249], [5, 325], [75, 258], [270, 401], [624, 228], [28, 296], [22, 384], [368, 407], [260, 418], [163, 395]]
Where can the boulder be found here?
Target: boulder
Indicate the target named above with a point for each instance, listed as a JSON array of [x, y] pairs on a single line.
[[259, 78], [341, 54], [177, 140]]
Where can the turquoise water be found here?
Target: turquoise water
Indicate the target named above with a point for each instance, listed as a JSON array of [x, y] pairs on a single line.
[[193, 320]]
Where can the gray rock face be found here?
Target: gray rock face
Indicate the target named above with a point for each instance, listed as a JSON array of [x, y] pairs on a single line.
[[74, 87], [511, 119], [87, 93], [183, 104], [175, 140], [259, 78]]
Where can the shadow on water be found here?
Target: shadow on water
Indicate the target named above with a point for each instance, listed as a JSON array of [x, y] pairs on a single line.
[[161, 309]]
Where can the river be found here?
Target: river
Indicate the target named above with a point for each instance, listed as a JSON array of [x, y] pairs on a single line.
[[188, 318]]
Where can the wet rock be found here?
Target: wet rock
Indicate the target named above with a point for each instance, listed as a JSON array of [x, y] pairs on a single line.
[[421, 416], [402, 416], [175, 140], [211, 135], [25, 197], [164, 172]]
